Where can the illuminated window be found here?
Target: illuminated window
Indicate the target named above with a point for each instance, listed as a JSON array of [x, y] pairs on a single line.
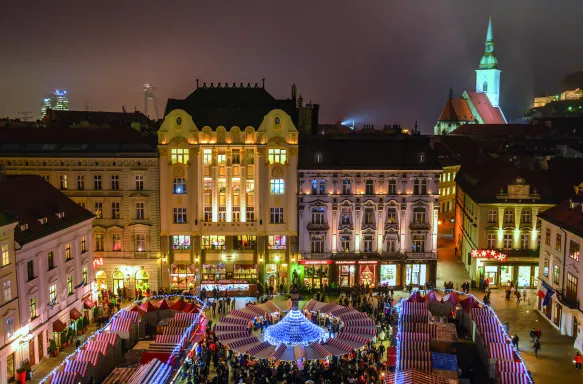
[[98, 209], [83, 245], [116, 241], [68, 252], [9, 327], [179, 186], [97, 182], [574, 250], [556, 274], [115, 182], [250, 213], [250, 156], [318, 157], [53, 293], [317, 244], [213, 242], [32, 306], [63, 181], [245, 242], [346, 190], [207, 156], [525, 216], [85, 275], [277, 186], [507, 241], [70, 285], [179, 215], [208, 214], [140, 242], [7, 289], [546, 268], [572, 282], [418, 243], [51, 260], [391, 215], [318, 215], [419, 215], [368, 215], [235, 156], [525, 241], [236, 214], [491, 240], [99, 242], [180, 242], [276, 242], [509, 215], [5, 255], [179, 155], [222, 214], [492, 216], [277, 156], [420, 157], [140, 211]]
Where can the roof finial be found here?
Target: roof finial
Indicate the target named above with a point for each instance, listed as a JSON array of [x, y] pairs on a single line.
[[489, 34], [196, 83], [450, 93], [263, 83]]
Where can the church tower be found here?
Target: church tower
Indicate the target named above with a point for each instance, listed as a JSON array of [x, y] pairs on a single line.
[[488, 74]]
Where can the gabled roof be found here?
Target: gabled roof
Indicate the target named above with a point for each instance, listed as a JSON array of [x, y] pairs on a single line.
[[510, 130], [566, 215], [30, 198], [456, 110], [488, 113]]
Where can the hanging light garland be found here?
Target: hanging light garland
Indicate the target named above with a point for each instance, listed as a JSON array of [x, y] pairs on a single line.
[[45, 379]]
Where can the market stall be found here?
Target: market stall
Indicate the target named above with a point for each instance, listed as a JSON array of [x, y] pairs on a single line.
[[96, 359], [105, 349], [119, 375], [151, 314], [83, 368], [154, 372], [125, 329], [65, 378], [413, 376], [114, 342]]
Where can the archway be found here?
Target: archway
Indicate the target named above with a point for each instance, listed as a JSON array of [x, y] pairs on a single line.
[[101, 278], [142, 280], [117, 281]]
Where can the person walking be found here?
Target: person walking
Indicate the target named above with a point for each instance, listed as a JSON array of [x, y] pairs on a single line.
[[538, 334], [536, 347], [578, 359], [532, 335], [515, 341]]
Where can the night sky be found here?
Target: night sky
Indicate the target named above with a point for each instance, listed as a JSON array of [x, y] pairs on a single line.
[[376, 61]]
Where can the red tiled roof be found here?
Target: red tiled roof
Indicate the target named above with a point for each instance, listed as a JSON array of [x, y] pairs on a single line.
[[488, 113], [456, 110], [566, 217]]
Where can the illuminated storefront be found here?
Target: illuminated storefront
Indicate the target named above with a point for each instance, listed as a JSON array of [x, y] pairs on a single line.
[[367, 273], [500, 269], [142, 280], [118, 280], [388, 275], [415, 274], [182, 277], [101, 278], [346, 273], [316, 273]]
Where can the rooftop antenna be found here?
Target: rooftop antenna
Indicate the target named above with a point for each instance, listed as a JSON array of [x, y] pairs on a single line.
[[24, 115], [149, 90]]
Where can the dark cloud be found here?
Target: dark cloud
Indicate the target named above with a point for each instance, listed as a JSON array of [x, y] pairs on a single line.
[[384, 61]]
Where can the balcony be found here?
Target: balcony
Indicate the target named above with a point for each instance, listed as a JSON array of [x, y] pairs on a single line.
[[126, 254], [318, 226], [419, 226], [422, 255], [568, 301], [394, 226]]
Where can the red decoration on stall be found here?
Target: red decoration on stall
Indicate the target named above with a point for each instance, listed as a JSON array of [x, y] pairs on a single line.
[[488, 254]]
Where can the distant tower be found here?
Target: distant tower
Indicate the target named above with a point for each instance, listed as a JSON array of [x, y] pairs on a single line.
[[57, 100], [149, 95], [488, 74]]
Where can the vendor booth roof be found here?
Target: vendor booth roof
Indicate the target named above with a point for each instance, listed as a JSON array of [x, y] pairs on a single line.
[[481, 311], [65, 378], [413, 376], [152, 373], [421, 365], [242, 314], [500, 351], [136, 308], [99, 346], [148, 307], [178, 305], [132, 315], [91, 356], [119, 375], [80, 367], [416, 297], [185, 316], [110, 338], [453, 298], [513, 378], [121, 325], [88, 304], [149, 356], [163, 304], [433, 296], [468, 303]]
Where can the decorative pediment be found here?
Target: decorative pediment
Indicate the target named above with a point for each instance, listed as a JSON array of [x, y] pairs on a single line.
[[369, 231], [420, 203], [318, 203], [53, 279], [32, 291], [519, 189], [346, 231], [70, 270]]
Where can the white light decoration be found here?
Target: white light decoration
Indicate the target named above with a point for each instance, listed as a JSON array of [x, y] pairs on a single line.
[[294, 329]]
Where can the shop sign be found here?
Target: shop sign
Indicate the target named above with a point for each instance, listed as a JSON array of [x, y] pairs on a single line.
[[367, 262], [230, 258], [315, 262], [345, 262], [97, 261], [488, 254]]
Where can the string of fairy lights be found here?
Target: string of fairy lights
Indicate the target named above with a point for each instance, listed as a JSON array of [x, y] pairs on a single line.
[[499, 322], [45, 380]]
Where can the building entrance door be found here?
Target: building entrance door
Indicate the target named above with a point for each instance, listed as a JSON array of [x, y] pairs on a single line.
[[40, 346], [31, 353]]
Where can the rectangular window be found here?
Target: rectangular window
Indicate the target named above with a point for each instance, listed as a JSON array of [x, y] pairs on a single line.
[[367, 243], [222, 214], [277, 215], [244, 242], [491, 240], [416, 187], [114, 182], [546, 268], [63, 182], [548, 237], [574, 250], [509, 215], [70, 285], [492, 216], [318, 215], [277, 156], [80, 182], [140, 242], [369, 215], [572, 282], [345, 243], [525, 216], [322, 187], [419, 215], [179, 155], [391, 216], [558, 242], [507, 241], [345, 216], [392, 187], [179, 186], [276, 242], [7, 289], [317, 244], [30, 269], [235, 156], [213, 242], [346, 188], [424, 187], [180, 242], [116, 241], [9, 327], [179, 215], [98, 209], [139, 183], [51, 260], [369, 187], [250, 156], [277, 186], [222, 157], [418, 244], [314, 186], [207, 156], [208, 214], [68, 252], [32, 306], [525, 241], [53, 294], [5, 255], [236, 214], [115, 210], [140, 211], [97, 182], [83, 244], [250, 214], [99, 242], [556, 274], [85, 275]]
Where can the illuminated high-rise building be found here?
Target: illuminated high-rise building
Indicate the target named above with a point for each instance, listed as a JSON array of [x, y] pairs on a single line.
[[58, 100]]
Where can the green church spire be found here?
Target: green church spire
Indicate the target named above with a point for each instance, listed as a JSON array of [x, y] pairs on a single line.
[[489, 60]]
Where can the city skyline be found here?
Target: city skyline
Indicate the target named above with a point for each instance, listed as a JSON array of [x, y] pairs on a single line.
[[331, 55]]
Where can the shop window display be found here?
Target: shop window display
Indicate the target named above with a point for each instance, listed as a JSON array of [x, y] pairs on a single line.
[[491, 274], [316, 276], [214, 271], [367, 275], [142, 280], [245, 271], [180, 242], [346, 275], [415, 274], [244, 242], [182, 276], [506, 275], [101, 278], [389, 275], [524, 275]]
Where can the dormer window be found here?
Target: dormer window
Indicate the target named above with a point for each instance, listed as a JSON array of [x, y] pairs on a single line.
[[24, 227], [421, 157], [318, 157], [60, 215], [43, 220]]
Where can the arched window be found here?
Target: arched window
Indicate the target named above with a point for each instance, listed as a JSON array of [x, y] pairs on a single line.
[[101, 278], [485, 87], [142, 280], [117, 281]]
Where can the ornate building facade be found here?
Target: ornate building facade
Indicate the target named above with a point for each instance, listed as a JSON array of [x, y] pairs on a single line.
[[111, 170], [368, 209], [228, 174]]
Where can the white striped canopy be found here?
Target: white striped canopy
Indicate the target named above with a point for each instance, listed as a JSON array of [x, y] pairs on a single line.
[[234, 320], [65, 378], [119, 375], [179, 323], [415, 346], [99, 346], [185, 316], [174, 330], [121, 325], [172, 339], [500, 351], [152, 373], [230, 328], [276, 354], [255, 309], [310, 305], [493, 337], [421, 365], [245, 315], [329, 307], [414, 308], [413, 376], [337, 343], [133, 315], [320, 350], [242, 342], [415, 318], [407, 354], [341, 310], [164, 348], [94, 357], [76, 366], [353, 338], [232, 335], [258, 348], [512, 378], [359, 323], [481, 311], [410, 336], [110, 338], [419, 328], [489, 327], [509, 366], [353, 316], [371, 331]]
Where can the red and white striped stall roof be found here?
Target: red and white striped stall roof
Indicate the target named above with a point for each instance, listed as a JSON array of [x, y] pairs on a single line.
[[329, 307], [512, 378], [407, 354], [168, 339], [413, 376], [179, 323], [416, 318], [244, 315], [371, 331], [65, 378], [310, 305], [233, 335], [129, 315], [410, 336], [336, 343], [234, 320], [488, 327], [353, 316], [341, 310], [500, 351], [413, 307], [320, 350], [419, 328], [509, 366], [110, 338], [481, 319], [152, 373], [242, 342], [76, 366], [481, 311], [421, 365], [415, 346], [353, 338], [255, 309], [493, 337], [230, 328], [100, 346], [174, 330], [91, 356], [185, 316], [276, 354], [359, 323], [258, 348], [121, 325]]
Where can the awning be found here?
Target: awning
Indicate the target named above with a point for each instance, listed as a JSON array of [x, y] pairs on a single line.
[[88, 304], [58, 326], [75, 314]]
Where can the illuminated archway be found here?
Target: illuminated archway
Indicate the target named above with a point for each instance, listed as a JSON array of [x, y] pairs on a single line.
[[101, 278], [117, 281], [142, 280]]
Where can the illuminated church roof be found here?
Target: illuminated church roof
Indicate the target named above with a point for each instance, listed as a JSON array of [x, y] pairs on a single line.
[[489, 60]]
